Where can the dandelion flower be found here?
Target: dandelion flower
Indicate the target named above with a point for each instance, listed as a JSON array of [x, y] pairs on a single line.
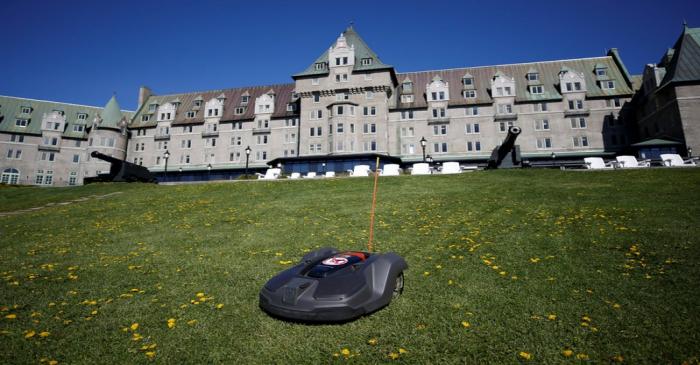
[[53, 362], [44, 334], [466, 324], [618, 358], [171, 323], [11, 316], [586, 318], [450, 282], [192, 322], [150, 354], [567, 353], [393, 355], [616, 306], [525, 355], [219, 306], [372, 341], [551, 317], [199, 295], [134, 326], [402, 350], [29, 334], [582, 356], [345, 352], [426, 273]]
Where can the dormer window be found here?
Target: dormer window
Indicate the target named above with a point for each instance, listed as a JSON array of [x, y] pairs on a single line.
[[152, 107], [291, 107], [467, 81], [21, 122], [191, 114], [469, 94], [82, 116], [366, 61], [406, 98], [78, 128], [536, 89], [213, 112], [240, 110], [341, 61], [533, 76], [319, 66], [26, 110], [197, 103], [407, 87], [437, 95], [59, 112], [341, 77], [145, 118], [601, 71], [245, 99], [607, 85]]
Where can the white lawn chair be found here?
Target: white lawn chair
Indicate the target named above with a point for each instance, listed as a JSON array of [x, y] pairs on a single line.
[[294, 175], [675, 160], [390, 170], [420, 169], [628, 162], [270, 174], [597, 163], [359, 170], [309, 175], [329, 174], [451, 168]]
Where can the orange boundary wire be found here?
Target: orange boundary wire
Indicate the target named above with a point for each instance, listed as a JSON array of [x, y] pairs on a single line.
[[374, 203]]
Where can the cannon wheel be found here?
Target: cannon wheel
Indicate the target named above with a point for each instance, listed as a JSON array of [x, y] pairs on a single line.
[[398, 286]]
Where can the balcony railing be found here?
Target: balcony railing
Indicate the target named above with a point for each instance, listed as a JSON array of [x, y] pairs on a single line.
[[506, 116], [161, 137], [438, 120], [261, 130], [575, 112], [210, 133], [49, 147]]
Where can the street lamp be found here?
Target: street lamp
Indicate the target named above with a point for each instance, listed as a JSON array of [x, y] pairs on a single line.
[[247, 157], [167, 156], [209, 172], [690, 152], [554, 156], [423, 142], [429, 159], [324, 167]]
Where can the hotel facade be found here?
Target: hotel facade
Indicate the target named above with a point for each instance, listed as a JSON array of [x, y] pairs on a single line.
[[347, 107]]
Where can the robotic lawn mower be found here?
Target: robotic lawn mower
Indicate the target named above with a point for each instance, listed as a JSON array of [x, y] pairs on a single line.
[[329, 285]]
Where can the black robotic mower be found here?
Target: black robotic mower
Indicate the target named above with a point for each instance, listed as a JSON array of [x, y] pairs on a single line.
[[333, 286]]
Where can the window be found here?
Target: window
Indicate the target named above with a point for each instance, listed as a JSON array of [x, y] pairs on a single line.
[[339, 128], [315, 81], [245, 99], [191, 114], [439, 112], [503, 126], [339, 110], [575, 104], [72, 178], [262, 139], [152, 107], [407, 114], [407, 132], [408, 149], [77, 143], [197, 103], [317, 97], [316, 114], [236, 141], [239, 110], [577, 86], [440, 147], [366, 61], [19, 138], [26, 110], [82, 116], [471, 128], [370, 110], [406, 98], [145, 118], [21, 122], [48, 156], [613, 103], [542, 125], [341, 77], [544, 143], [578, 123], [76, 158], [438, 95], [507, 90], [533, 76], [607, 85], [369, 146], [352, 127], [369, 128], [601, 71], [474, 146], [469, 94], [290, 122], [186, 143], [263, 123], [474, 110], [314, 148], [78, 128], [440, 130], [505, 109], [317, 131], [580, 142], [187, 129], [291, 107], [211, 142], [536, 89], [539, 107], [213, 112], [319, 66], [467, 81]]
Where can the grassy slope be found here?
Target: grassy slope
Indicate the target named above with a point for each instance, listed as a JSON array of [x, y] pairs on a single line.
[[614, 250]]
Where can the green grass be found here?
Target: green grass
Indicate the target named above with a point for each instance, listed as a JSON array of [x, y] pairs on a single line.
[[613, 255]]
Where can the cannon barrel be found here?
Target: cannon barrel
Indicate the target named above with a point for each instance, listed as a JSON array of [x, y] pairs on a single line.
[[120, 170], [104, 157], [499, 153]]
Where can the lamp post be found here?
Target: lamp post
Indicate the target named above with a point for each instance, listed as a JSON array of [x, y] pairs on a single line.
[[323, 165], [422, 145], [167, 156], [690, 152], [554, 157], [247, 157], [209, 172], [429, 158]]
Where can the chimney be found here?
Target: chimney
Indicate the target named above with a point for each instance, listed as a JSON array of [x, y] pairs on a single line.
[[144, 94]]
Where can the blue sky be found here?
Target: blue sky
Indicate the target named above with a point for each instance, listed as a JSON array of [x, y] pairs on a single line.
[[83, 51]]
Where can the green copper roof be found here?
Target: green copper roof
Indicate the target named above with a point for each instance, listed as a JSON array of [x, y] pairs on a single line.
[[684, 65], [656, 142], [362, 51], [111, 115]]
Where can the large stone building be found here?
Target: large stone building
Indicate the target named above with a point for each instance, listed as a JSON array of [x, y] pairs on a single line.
[[348, 107]]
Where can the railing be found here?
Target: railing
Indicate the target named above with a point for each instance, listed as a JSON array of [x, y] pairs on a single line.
[[210, 133], [438, 120], [575, 112], [506, 116], [161, 137], [261, 130], [49, 147]]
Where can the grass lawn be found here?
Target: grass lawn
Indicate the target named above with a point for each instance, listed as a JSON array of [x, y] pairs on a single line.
[[504, 267]]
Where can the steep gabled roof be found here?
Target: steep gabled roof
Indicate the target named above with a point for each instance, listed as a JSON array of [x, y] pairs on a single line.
[[684, 65], [111, 115], [362, 50]]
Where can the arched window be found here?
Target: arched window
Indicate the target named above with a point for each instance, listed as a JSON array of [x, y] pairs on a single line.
[[9, 176]]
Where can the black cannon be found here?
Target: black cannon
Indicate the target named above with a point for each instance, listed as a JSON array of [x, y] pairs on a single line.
[[507, 155], [121, 171]]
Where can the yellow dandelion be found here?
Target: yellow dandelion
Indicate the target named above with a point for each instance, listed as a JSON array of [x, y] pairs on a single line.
[[372, 341], [393, 355], [466, 324], [534, 260], [450, 282], [525, 355], [192, 322], [29, 334], [11, 316], [582, 356], [438, 267], [53, 362], [426, 273], [219, 306], [134, 326], [402, 350], [345, 352], [567, 353], [584, 324], [150, 354], [551, 316], [93, 312], [616, 306], [44, 334], [199, 295], [586, 318], [618, 358], [171, 323], [136, 337], [502, 273]]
